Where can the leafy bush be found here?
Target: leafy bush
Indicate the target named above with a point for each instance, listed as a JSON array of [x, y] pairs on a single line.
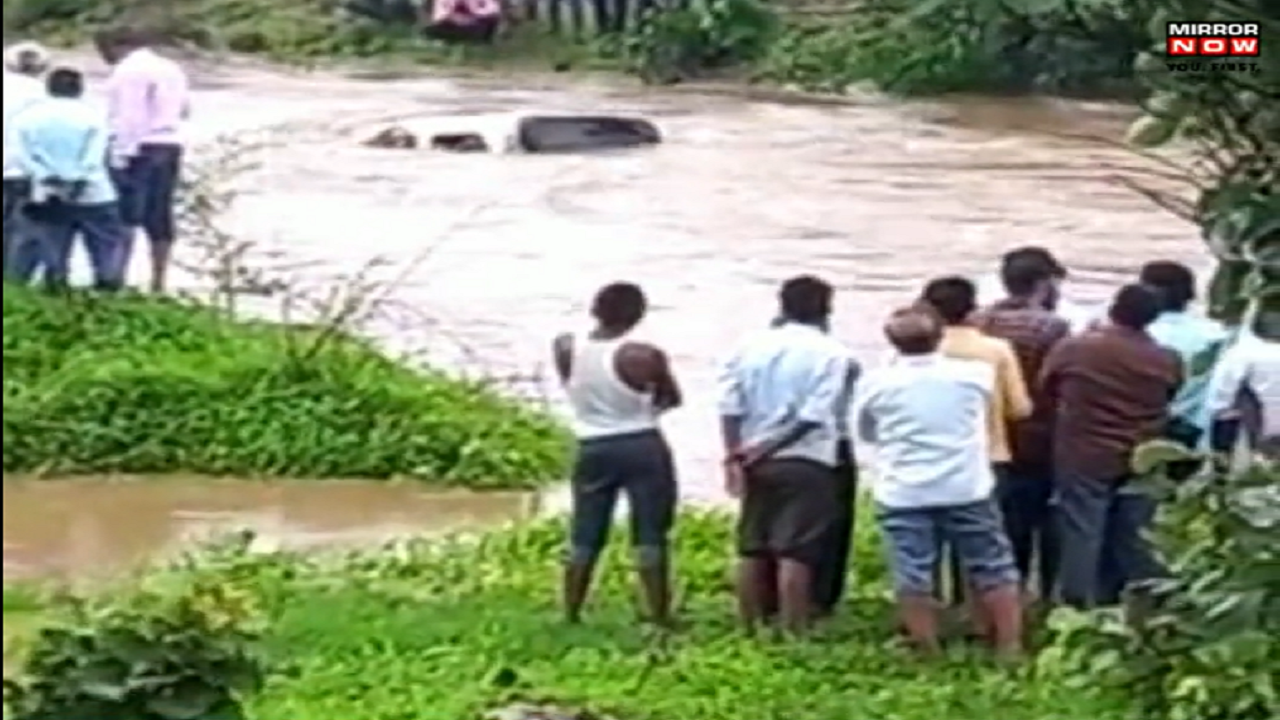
[[144, 385], [188, 655], [933, 46], [1206, 644]]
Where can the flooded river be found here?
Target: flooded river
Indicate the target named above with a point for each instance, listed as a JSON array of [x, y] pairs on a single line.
[[493, 254]]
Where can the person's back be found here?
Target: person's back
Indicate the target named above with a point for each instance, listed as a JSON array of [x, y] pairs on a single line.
[[64, 140], [929, 430], [1111, 387], [773, 373], [1245, 384], [148, 98], [1190, 336], [617, 386], [20, 93], [955, 300], [926, 415]]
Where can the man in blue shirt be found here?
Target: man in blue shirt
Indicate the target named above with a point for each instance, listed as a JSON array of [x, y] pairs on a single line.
[[780, 397], [1193, 337], [61, 145]]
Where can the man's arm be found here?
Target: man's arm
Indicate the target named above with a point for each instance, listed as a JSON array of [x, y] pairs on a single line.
[[29, 148], [666, 391], [732, 405], [562, 356], [1011, 384], [817, 409], [95, 148]]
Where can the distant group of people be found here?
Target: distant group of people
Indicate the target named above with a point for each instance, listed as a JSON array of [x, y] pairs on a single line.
[[1000, 437], [74, 170]]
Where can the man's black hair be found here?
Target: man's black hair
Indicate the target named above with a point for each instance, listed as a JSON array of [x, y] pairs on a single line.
[[1022, 275], [1136, 306], [619, 305], [953, 298], [1174, 281], [65, 83], [1035, 254], [805, 299]]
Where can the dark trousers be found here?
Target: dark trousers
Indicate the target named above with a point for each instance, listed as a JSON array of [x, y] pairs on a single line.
[[638, 465], [1101, 528], [148, 188], [21, 255], [1025, 495], [832, 571], [100, 228]]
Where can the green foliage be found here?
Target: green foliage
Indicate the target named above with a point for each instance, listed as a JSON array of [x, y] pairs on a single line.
[[446, 630], [673, 43], [145, 385], [147, 655], [1206, 644], [934, 46]]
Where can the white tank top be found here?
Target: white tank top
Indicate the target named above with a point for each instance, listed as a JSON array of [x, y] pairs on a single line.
[[602, 403]]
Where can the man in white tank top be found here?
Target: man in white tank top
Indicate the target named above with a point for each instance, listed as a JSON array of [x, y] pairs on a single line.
[[618, 387]]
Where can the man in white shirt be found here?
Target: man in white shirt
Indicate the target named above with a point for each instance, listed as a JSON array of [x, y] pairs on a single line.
[[1244, 388], [62, 147], [926, 416], [780, 398], [24, 64]]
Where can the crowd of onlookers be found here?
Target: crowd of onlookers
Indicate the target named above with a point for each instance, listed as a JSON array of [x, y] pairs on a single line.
[[1001, 440], [78, 170]]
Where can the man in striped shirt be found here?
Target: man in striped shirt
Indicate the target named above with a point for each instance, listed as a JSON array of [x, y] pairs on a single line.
[[1026, 319]]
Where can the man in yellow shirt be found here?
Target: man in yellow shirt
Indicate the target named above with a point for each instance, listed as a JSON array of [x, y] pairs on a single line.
[[955, 299]]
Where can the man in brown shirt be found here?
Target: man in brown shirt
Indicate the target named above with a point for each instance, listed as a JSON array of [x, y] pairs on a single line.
[[1110, 388], [1025, 319]]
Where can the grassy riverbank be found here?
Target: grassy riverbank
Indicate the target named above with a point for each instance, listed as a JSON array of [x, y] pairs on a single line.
[[441, 632], [143, 385]]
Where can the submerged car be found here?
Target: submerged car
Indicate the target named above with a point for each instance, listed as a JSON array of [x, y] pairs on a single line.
[[520, 133]]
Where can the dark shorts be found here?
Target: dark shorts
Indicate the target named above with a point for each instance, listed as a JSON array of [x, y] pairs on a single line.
[[788, 510], [148, 189], [637, 464], [975, 533]]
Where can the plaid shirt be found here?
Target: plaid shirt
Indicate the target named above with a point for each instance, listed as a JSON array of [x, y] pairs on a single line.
[[1033, 332]]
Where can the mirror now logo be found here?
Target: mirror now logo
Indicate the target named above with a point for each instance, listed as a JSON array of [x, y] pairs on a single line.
[[1212, 40]]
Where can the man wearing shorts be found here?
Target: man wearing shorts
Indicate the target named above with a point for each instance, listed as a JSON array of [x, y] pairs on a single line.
[[779, 403], [618, 386], [926, 415], [148, 99]]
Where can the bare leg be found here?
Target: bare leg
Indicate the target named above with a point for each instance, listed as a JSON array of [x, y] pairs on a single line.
[[756, 578], [920, 618], [1003, 607], [577, 584], [161, 253], [795, 596], [655, 586]]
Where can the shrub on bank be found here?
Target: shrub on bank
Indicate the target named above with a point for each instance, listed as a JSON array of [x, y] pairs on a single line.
[[444, 631], [144, 385]]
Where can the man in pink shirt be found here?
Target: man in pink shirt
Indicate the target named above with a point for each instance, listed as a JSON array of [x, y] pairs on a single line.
[[148, 98]]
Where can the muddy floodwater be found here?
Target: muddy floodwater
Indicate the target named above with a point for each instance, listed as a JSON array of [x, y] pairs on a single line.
[[492, 254]]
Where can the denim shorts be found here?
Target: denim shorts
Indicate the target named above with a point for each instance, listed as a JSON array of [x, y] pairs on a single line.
[[974, 532]]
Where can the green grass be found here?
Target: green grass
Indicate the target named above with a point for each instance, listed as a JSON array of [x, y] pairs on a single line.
[[444, 631], [143, 385]]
